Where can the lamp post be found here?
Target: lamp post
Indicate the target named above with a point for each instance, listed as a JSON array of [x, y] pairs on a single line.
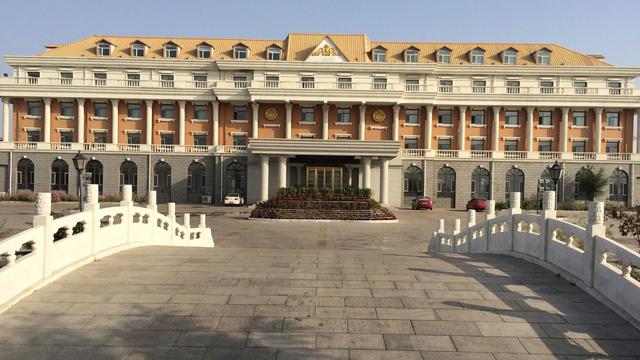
[[79, 162], [555, 171]]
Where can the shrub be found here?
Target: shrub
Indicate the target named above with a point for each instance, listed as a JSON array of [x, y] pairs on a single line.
[[501, 205], [629, 221], [592, 183], [20, 195], [573, 205], [530, 204]]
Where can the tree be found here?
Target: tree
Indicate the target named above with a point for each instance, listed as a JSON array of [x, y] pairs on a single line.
[[592, 184], [629, 220]]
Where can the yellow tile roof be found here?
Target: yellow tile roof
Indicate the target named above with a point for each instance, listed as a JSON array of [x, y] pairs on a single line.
[[297, 47]]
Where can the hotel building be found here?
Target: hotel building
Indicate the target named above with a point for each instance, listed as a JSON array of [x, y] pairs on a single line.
[[190, 117]]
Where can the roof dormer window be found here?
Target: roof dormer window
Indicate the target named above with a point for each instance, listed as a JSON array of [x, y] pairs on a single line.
[[240, 52], [103, 48], [543, 56], [379, 54], [138, 49], [443, 56], [205, 51], [171, 50], [476, 56], [411, 55], [274, 53], [509, 56]]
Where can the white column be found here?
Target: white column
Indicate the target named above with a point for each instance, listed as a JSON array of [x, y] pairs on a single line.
[[636, 133], [366, 172], [350, 176], [428, 128], [254, 127], [80, 118], [114, 121], [597, 135], [216, 121], [362, 125], [287, 126], [325, 121], [148, 133], [6, 116], [282, 171], [564, 130], [495, 136], [384, 180], [182, 122], [264, 174], [530, 129], [462, 127], [47, 120], [396, 121]]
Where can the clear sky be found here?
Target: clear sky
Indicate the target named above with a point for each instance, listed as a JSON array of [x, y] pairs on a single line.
[[610, 28]]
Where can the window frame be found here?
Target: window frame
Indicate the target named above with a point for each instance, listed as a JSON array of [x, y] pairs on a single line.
[[543, 57], [238, 50], [198, 110], [100, 109], [583, 117], [441, 116], [379, 55], [476, 56], [481, 114], [542, 118], [165, 109], [609, 116], [509, 54], [274, 53], [136, 48], [343, 115], [442, 55], [66, 106], [170, 51], [133, 107], [412, 116], [239, 109], [508, 115], [412, 56], [205, 52], [101, 50], [304, 111]]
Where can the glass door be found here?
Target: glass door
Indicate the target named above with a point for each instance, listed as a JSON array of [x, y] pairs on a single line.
[[324, 177]]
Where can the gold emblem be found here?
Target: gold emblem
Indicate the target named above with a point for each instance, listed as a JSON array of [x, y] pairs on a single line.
[[325, 51], [271, 114], [379, 116]]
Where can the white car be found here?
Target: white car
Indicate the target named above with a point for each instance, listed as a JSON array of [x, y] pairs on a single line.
[[233, 199]]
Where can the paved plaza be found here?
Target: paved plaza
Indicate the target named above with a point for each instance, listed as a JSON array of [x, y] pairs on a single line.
[[313, 291]]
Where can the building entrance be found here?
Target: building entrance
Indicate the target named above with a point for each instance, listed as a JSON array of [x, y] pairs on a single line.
[[324, 177]]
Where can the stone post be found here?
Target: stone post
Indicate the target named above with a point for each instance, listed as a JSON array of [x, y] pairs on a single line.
[[44, 219], [127, 195], [152, 197], [548, 212], [127, 201], [441, 225], [471, 218], [186, 221], [456, 227], [203, 221], [491, 209], [595, 227], [514, 203], [171, 214], [92, 206]]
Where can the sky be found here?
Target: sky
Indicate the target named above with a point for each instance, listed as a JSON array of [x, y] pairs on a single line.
[[609, 28]]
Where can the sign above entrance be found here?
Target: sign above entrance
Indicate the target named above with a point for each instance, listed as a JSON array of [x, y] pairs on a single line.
[[271, 114], [379, 116]]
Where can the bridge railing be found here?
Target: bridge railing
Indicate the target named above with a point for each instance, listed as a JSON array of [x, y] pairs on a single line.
[[600, 266], [54, 247]]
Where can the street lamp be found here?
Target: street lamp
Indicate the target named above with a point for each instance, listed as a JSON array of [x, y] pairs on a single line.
[[555, 171], [79, 162]]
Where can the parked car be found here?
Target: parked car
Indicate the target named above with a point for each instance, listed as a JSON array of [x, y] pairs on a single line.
[[422, 202], [233, 199], [477, 204]]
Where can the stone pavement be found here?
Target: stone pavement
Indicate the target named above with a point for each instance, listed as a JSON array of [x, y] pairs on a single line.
[[319, 291]]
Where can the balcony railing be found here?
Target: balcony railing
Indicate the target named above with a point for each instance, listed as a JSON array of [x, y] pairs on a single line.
[[515, 154], [550, 155]]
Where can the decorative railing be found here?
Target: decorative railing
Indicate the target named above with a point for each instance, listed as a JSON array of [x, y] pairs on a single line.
[[54, 247], [585, 256], [517, 155]]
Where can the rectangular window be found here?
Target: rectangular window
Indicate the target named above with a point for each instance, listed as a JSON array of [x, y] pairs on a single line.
[[444, 56], [579, 118], [578, 146], [137, 50], [133, 110], [479, 86], [170, 51], [412, 85], [411, 56], [445, 86], [546, 87], [477, 117], [239, 140], [511, 145], [33, 77], [444, 144], [308, 82], [411, 116], [66, 108], [166, 80], [513, 86], [545, 118], [379, 83], [613, 119], [308, 114], [511, 118], [411, 143], [580, 87], [615, 87], [544, 145], [133, 79], [204, 52], [33, 108], [240, 52], [344, 115], [240, 112], [477, 144], [274, 53], [100, 138], [133, 138], [66, 136], [100, 110], [378, 55], [444, 117], [200, 112], [104, 49], [200, 139], [167, 111], [33, 136], [166, 139], [100, 78], [612, 147], [66, 78], [344, 82], [200, 81]]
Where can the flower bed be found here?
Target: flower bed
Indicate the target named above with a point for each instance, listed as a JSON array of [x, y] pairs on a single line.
[[308, 204]]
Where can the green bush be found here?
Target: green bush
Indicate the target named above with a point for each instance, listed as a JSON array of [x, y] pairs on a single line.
[[530, 204], [501, 205]]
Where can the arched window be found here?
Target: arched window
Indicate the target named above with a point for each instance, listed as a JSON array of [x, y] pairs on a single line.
[[619, 186], [129, 175], [236, 178], [514, 182], [480, 183], [95, 171], [413, 182], [584, 176], [59, 175], [162, 181], [196, 178], [25, 175], [447, 185]]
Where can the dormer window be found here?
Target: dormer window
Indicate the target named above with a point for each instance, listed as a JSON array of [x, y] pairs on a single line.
[[170, 50], [240, 52], [411, 55], [509, 56], [443, 56], [379, 54], [103, 48], [138, 49], [543, 57], [204, 52], [274, 53], [477, 56]]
